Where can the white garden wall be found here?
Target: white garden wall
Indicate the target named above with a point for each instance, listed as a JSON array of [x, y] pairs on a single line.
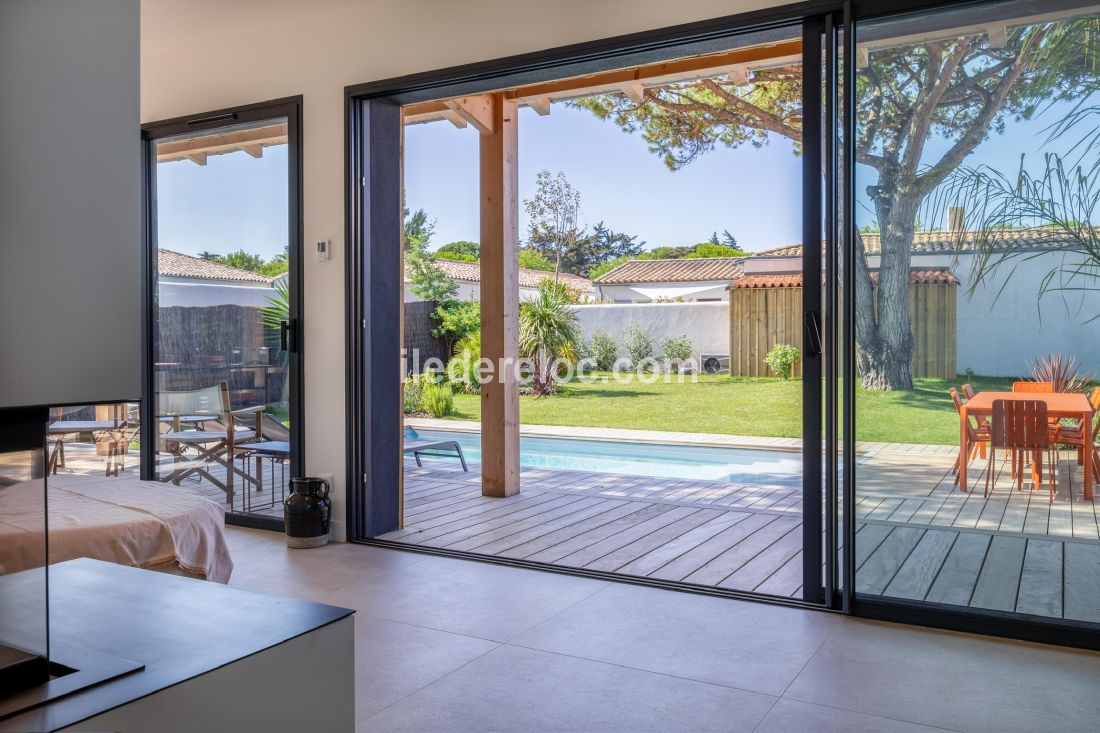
[[706, 324]]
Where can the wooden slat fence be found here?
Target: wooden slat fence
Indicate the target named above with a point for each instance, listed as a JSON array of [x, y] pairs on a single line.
[[760, 318]]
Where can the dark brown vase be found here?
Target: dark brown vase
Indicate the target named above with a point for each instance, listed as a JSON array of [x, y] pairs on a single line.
[[307, 511]]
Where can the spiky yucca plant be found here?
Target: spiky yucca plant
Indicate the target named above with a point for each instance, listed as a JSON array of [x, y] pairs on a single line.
[[1062, 371]]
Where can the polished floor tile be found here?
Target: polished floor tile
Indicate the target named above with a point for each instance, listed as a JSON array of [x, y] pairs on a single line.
[[956, 681], [753, 646], [394, 660], [463, 597], [513, 689], [455, 645], [792, 716]]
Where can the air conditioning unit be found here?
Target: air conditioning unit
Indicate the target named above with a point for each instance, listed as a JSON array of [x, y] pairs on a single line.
[[714, 363]]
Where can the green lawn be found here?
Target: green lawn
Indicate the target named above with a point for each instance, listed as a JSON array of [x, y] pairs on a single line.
[[740, 406]]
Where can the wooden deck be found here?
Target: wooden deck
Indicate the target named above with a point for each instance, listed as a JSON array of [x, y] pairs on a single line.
[[918, 536], [702, 532]]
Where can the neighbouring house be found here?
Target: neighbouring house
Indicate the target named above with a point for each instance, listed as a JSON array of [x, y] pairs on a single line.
[[183, 280], [468, 277], [1001, 326], [647, 281]]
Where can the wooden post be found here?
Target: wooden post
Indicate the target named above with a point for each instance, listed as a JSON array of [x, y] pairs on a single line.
[[500, 300]]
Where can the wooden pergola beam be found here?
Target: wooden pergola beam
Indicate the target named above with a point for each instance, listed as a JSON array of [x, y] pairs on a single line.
[[667, 72], [499, 191], [477, 110], [541, 105], [197, 149]]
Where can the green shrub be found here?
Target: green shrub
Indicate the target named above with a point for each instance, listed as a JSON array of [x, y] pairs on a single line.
[[638, 344], [462, 372], [676, 350], [781, 360], [603, 350], [411, 392], [438, 400]]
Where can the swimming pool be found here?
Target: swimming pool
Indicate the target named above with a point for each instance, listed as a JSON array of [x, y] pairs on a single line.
[[686, 462]]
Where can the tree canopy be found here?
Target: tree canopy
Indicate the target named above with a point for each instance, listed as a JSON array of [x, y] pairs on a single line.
[[955, 89]]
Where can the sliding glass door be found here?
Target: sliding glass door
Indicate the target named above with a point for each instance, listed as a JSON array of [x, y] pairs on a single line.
[[224, 287], [973, 266]]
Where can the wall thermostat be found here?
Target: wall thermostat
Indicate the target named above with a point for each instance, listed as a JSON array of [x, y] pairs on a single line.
[[324, 250]]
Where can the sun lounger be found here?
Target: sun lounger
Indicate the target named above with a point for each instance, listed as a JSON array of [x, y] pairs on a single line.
[[438, 448]]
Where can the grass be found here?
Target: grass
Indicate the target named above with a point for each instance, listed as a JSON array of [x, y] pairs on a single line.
[[741, 406]]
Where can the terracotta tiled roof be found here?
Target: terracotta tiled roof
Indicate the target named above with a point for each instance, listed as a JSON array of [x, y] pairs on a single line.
[[673, 271], [947, 242], [790, 280], [175, 264], [471, 272]]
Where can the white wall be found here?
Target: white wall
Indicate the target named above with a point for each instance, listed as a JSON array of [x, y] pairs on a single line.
[[646, 292], [1002, 336], [178, 292], [208, 54], [70, 202], [706, 324]]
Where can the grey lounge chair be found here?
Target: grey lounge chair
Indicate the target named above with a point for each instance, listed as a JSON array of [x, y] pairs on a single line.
[[439, 448]]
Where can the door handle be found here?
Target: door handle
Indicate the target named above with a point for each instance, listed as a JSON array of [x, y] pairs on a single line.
[[288, 335], [812, 328]]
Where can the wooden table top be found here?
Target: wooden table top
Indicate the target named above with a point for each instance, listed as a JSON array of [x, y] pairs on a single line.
[[1071, 402]]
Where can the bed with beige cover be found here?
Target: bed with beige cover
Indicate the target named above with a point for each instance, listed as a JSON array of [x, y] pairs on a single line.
[[123, 520]]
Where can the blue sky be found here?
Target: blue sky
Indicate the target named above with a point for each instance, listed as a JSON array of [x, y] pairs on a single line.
[[239, 202], [754, 193]]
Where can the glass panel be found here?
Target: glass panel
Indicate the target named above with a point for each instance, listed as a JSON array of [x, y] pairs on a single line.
[[24, 625], [223, 311], [976, 259], [664, 426]]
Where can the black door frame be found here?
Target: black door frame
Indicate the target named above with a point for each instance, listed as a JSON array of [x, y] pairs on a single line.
[[828, 203], [291, 109], [374, 457]]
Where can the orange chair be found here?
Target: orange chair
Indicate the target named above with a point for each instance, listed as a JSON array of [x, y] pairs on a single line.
[[1021, 426], [1042, 387], [1074, 434], [977, 435], [969, 392]]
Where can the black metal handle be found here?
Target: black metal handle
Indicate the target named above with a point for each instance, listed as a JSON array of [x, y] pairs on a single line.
[[812, 323], [287, 330]]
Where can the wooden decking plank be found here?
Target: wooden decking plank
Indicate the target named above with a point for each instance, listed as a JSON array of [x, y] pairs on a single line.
[[885, 508], [764, 564], [868, 538], [700, 555], [496, 541], [956, 580], [614, 561], [787, 581], [1015, 513], [1041, 584], [539, 541], [880, 568], [598, 534], [658, 557], [724, 565], [906, 510], [1084, 519], [1060, 522], [994, 510], [466, 515], [584, 556], [465, 538], [1000, 577], [1082, 586], [920, 569]]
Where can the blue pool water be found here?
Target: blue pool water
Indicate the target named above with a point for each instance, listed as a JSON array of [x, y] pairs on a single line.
[[685, 462]]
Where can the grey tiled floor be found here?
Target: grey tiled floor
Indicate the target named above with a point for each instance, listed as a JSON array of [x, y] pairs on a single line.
[[453, 645]]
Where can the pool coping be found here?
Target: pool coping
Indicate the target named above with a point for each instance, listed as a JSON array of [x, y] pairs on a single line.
[[659, 437]]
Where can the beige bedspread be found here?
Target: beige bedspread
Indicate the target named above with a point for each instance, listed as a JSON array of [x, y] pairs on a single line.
[[121, 520]]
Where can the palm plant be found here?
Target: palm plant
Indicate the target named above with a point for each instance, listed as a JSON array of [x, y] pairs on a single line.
[[548, 329]]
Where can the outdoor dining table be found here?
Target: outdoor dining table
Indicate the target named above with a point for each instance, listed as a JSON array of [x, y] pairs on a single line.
[[1059, 405]]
